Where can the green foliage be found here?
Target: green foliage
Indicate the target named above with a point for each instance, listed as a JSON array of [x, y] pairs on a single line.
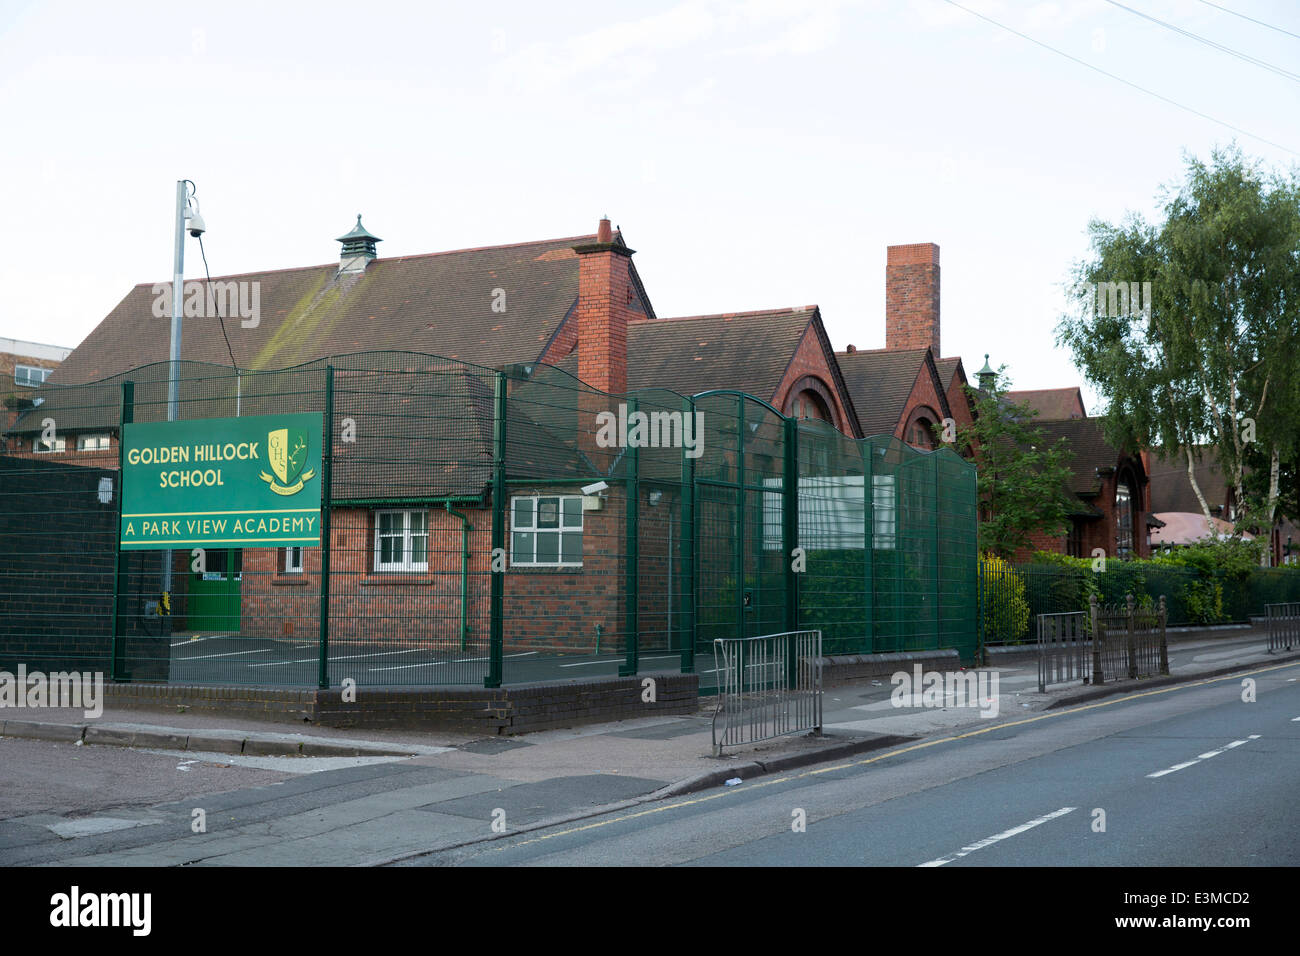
[[1212, 357], [1022, 479], [1006, 609], [1209, 583]]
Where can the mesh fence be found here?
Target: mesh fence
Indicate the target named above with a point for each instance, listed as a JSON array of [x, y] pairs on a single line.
[[482, 526]]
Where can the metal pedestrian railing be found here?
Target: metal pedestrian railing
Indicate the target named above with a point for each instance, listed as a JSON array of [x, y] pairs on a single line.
[[1283, 626], [1128, 641], [767, 686], [1064, 643]]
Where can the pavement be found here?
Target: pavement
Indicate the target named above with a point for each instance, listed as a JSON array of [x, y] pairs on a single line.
[[442, 789]]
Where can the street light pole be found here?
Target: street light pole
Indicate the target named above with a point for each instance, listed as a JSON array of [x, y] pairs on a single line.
[[178, 291], [174, 356]]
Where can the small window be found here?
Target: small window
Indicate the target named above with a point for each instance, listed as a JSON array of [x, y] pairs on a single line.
[[401, 541], [546, 531], [43, 447], [293, 560], [92, 442], [29, 376]]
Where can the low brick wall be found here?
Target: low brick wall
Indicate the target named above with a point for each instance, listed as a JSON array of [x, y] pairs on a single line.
[[513, 709]]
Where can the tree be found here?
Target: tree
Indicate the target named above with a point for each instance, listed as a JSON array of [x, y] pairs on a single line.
[[1201, 346], [1022, 479]]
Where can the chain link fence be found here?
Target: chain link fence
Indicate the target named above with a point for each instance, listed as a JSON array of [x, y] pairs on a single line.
[[483, 526]]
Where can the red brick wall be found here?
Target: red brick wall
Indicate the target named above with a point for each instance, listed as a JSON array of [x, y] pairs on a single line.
[[810, 362], [554, 610], [924, 396], [912, 297]]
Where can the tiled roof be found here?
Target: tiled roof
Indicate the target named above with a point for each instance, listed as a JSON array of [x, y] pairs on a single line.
[[1172, 491], [948, 370], [748, 351], [880, 381], [439, 303], [1089, 449], [1052, 404]]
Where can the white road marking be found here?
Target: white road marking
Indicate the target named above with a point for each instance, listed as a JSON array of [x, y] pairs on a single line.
[[1177, 766], [207, 657], [1005, 834], [463, 660], [1205, 756], [349, 657], [189, 640], [615, 660]]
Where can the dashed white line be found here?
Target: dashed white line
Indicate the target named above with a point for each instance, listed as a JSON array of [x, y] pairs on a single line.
[[1205, 756], [463, 660], [615, 660], [1005, 834], [205, 657], [1177, 766]]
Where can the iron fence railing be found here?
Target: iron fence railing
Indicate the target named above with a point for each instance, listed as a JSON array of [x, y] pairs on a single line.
[[1283, 626], [768, 686], [1064, 648], [1128, 640]]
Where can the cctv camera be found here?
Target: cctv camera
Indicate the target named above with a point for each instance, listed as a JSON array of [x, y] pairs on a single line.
[[197, 226], [595, 489]]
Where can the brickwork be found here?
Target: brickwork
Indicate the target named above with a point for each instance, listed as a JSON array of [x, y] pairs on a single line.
[[810, 370], [912, 297]]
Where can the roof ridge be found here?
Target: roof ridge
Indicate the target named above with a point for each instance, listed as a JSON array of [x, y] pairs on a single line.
[[787, 310], [419, 255], [877, 351]]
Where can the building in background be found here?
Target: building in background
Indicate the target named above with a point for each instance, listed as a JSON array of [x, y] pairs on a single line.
[[24, 367]]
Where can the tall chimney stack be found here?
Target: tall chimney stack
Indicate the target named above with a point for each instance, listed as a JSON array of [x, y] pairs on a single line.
[[603, 312], [912, 297]]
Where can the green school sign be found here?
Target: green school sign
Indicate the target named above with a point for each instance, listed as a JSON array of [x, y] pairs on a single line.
[[230, 482]]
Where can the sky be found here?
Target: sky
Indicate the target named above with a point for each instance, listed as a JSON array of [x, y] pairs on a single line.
[[755, 154]]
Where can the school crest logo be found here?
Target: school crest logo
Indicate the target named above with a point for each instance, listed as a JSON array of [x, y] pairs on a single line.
[[287, 450]]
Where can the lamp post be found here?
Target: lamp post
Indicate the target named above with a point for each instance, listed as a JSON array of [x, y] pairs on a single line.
[[185, 190]]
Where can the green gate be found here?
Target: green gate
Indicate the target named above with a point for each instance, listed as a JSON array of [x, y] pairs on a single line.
[[213, 602]]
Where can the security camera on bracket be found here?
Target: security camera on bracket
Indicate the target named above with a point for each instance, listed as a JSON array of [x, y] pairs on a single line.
[[592, 497]]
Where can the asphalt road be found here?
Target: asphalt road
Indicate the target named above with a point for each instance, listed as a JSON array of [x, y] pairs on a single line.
[[1192, 776]]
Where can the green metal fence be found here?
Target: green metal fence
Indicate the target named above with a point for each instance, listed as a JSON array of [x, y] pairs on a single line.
[[482, 526]]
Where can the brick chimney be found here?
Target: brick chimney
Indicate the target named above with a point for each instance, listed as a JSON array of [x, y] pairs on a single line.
[[912, 297], [604, 310]]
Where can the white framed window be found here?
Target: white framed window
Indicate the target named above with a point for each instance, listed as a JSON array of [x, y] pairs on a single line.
[[401, 541], [43, 447], [293, 560], [884, 513], [546, 531], [29, 375], [92, 442]]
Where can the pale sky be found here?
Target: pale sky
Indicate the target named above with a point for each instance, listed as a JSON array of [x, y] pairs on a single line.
[[756, 155]]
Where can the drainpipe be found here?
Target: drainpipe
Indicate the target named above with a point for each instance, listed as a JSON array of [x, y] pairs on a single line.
[[465, 529]]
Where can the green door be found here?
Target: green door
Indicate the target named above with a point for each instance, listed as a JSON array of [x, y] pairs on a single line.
[[214, 601]]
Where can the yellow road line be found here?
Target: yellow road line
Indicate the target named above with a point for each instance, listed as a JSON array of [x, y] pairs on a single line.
[[894, 753]]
